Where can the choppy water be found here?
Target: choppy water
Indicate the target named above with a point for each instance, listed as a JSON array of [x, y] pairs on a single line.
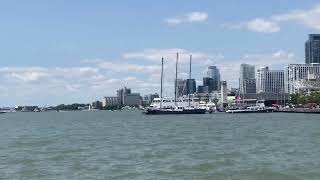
[[129, 145]]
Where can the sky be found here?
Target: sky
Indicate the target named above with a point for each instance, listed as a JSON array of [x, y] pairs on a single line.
[[55, 52]]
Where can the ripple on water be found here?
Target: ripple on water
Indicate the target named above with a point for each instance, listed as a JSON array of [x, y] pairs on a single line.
[[128, 145]]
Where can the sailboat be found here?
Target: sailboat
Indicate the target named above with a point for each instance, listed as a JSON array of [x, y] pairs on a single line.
[[162, 106]]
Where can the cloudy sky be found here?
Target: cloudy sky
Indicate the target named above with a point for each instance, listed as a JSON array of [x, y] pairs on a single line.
[[61, 51]]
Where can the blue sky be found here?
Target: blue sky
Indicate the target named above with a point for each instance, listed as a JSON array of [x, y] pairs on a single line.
[[78, 51]]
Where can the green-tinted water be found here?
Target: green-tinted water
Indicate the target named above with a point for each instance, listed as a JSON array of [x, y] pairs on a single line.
[[129, 145]]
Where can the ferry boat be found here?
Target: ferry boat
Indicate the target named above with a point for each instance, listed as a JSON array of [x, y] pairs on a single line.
[[259, 108], [185, 105], [181, 106]]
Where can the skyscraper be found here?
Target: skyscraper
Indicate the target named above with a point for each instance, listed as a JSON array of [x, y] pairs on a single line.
[[270, 81], [191, 86], [181, 87], [312, 48], [126, 98], [213, 72], [208, 84], [247, 79], [224, 93]]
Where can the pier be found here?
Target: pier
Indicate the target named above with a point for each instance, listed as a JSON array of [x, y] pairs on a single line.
[[300, 110]]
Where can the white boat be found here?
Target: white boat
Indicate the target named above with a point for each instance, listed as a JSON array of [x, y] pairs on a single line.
[[210, 106], [259, 108], [169, 103]]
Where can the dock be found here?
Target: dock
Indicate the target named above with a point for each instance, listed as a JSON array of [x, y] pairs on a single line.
[[300, 110]]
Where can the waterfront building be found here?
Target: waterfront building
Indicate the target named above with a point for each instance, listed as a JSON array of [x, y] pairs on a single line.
[[200, 89], [302, 77], [269, 98], [270, 81], [26, 108], [110, 101], [7, 109], [208, 85], [247, 79], [126, 98], [224, 93], [233, 91], [191, 86], [185, 87], [249, 86], [312, 49], [132, 99], [214, 73], [181, 87], [96, 105], [209, 97]]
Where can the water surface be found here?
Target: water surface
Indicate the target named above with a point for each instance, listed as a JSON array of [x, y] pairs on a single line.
[[129, 145]]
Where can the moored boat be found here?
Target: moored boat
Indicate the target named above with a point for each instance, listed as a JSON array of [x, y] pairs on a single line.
[[179, 110], [259, 108], [187, 105], [182, 105], [251, 110]]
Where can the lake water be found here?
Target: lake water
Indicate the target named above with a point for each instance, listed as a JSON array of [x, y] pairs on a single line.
[[129, 145]]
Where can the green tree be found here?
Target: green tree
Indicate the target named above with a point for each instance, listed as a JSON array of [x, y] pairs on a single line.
[[302, 99], [294, 98]]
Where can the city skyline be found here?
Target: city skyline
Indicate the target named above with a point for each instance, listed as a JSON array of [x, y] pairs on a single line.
[[52, 56]]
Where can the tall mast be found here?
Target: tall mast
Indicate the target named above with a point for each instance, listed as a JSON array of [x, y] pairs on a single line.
[[161, 83], [188, 85], [176, 82]]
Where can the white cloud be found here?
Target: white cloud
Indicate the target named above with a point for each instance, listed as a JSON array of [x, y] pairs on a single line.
[[92, 81], [308, 17], [170, 55], [30, 74], [191, 17], [261, 25], [128, 68], [98, 78]]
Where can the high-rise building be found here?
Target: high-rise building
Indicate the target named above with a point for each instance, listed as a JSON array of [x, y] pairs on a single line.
[[126, 98], [208, 85], [249, 86], [181, 87], [214, 73], [191, 86], [247, 79], [312, 48], [296, 73], [270, 81], [200, 89], [224, 93]]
